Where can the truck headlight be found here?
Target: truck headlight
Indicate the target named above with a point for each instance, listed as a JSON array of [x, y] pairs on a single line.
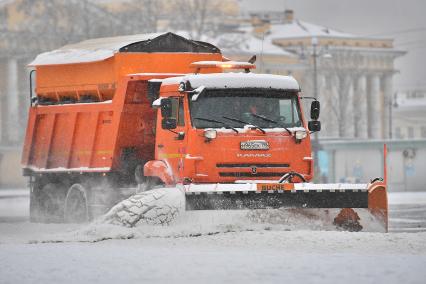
[[300, 135], [210, 134]]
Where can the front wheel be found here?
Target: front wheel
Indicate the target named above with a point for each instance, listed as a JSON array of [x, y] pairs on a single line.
[[76, 205]]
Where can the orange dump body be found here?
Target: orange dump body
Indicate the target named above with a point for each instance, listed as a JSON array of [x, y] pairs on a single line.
[[110, 132], [99, 80]]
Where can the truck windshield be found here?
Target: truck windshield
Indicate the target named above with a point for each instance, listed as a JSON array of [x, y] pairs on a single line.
[[264, 108]]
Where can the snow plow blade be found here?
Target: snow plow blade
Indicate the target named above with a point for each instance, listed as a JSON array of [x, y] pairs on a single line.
[[371, 196]]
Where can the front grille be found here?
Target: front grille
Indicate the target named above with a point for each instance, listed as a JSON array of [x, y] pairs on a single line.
[[246, 165], [245, 174]]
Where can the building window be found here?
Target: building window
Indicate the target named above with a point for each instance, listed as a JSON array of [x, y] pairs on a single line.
[[398, 133], [410, 132], [423, 131]]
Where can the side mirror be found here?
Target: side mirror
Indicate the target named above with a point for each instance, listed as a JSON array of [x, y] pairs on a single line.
[[314, 125], [166, 107], [315, 110], [169, 123]]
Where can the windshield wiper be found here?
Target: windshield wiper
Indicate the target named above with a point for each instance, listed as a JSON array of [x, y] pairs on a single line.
[[270, 120], [217, 121], [246, 123]]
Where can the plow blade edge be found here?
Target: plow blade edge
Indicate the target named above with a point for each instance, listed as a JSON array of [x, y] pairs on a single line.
[[371, 196], [275, 199]]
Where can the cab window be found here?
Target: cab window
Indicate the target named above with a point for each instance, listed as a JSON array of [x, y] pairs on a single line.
[[178, 111]]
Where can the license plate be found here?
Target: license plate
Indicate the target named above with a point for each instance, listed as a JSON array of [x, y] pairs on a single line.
[[254, 145]]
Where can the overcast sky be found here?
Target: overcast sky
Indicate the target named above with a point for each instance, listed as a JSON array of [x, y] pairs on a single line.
[[404, 20]]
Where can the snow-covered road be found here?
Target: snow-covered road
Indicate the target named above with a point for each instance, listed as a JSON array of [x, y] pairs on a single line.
[[218, 247]]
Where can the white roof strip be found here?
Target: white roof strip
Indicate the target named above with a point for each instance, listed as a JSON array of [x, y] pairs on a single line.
[[237, 80]]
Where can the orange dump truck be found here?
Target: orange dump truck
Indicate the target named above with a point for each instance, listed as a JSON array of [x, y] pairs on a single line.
[[115, 115]]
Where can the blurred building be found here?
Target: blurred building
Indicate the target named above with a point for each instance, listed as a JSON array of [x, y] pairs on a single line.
[[354, 77], [409, 115], [360, 161], [354, 73]]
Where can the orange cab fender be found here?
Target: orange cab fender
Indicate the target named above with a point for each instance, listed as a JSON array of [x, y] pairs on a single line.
[[160, 169], [378, 201]]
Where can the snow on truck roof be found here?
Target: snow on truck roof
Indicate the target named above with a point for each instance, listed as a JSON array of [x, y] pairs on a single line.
[[236, 80], [99, 49]]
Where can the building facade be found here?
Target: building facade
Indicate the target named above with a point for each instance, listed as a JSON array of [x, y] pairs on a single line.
[[408, 120], [358, 161], [350, 75]]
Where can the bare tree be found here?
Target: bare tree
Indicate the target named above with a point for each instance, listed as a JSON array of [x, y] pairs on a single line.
[[139, 16], [48, 24], [197, 17]]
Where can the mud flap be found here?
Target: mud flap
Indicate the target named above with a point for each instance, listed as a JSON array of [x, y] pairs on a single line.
[[348, 220]]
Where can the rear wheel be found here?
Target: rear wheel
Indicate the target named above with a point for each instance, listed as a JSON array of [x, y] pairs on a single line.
[[47, 203], [76, 205]]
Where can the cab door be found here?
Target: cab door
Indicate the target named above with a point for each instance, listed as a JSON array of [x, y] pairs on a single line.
[[172, 135]]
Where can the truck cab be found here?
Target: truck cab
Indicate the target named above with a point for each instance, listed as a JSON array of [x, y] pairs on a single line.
[[231, 127]]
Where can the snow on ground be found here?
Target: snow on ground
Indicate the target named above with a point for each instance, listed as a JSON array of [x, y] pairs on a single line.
[[398, 198], [248, 257], [211, 247], [14, 206]]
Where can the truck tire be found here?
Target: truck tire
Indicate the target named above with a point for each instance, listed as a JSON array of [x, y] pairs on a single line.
[[35, 206], [158, 206], [47, 203], [76, 209]]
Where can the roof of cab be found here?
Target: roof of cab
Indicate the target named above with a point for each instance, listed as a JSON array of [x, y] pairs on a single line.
[[236, 80]]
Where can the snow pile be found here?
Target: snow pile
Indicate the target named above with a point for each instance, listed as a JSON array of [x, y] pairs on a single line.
[[157, 206], [312, 219], [116, 225], [160, 213]]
